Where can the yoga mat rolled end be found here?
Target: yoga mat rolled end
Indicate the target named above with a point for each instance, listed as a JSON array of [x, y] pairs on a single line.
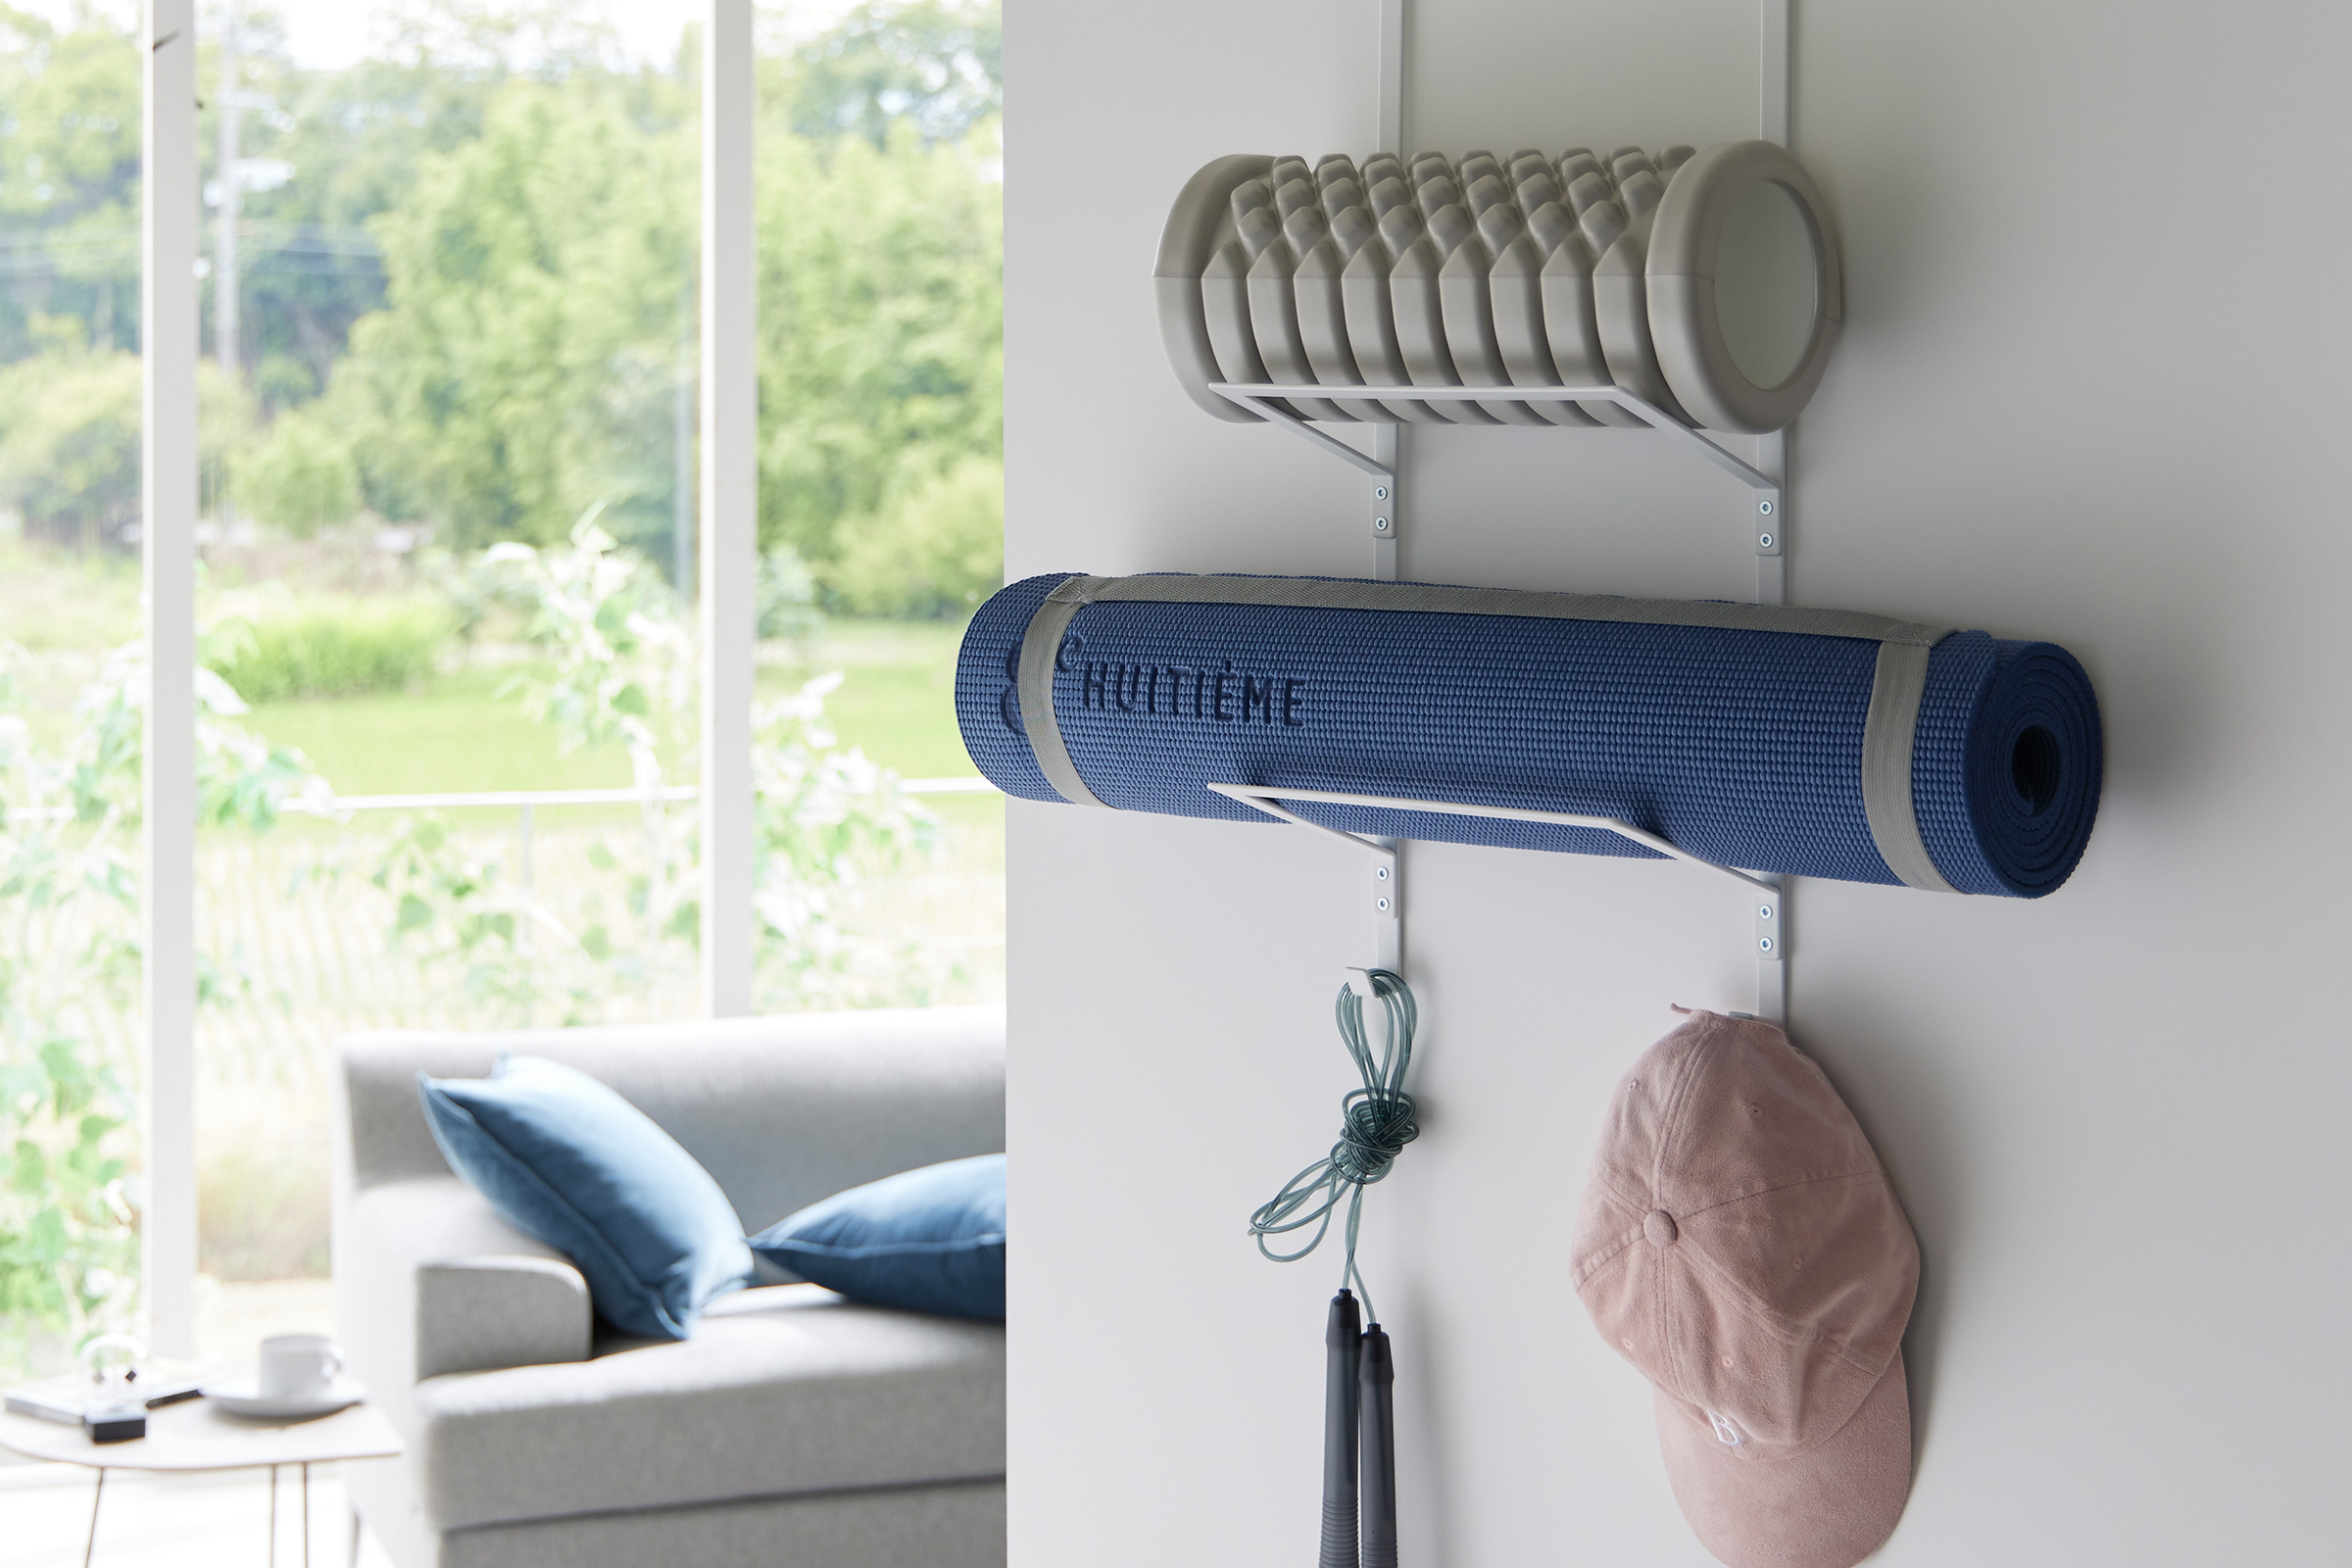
[[2035, 775]]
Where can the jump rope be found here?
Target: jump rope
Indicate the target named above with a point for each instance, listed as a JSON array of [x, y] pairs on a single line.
[[1360, 1429]]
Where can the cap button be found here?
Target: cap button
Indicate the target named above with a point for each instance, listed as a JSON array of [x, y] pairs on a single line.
[[1660, 1228]]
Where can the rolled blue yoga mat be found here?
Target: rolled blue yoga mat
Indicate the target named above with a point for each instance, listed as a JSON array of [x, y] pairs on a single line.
[[1817, 743]]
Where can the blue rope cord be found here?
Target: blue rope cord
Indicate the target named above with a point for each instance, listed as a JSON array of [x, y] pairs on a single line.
[[1376, 1122]]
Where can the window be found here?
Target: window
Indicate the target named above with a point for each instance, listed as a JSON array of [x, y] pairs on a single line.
[[448, 750]]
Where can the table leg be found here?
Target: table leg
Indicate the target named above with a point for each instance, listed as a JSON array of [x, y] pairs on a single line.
[[273, 1517], [354, 1535], [96, 1498], [306, 1514]]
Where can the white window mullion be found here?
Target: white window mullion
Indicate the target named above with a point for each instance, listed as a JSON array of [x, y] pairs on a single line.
[[730, 520], [169, 208]]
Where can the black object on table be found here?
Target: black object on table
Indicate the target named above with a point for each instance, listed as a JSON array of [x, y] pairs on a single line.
[[1341, 1337]]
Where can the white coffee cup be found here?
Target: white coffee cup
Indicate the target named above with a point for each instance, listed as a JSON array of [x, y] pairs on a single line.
[[298, 1366]]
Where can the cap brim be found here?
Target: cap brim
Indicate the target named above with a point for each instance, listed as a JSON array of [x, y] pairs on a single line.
[[1826, 1508]]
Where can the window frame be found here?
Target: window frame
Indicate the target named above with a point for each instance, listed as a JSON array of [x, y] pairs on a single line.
[[171, 203]]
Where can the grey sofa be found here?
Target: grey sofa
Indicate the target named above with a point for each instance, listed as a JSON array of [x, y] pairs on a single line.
[[794, 1428]]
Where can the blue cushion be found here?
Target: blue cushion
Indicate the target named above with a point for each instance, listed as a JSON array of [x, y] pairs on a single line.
[[566, 1159], [929, 1240]]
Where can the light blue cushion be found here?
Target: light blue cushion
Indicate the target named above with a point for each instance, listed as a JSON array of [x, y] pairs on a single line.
[[566, 1159], [929, 1240]]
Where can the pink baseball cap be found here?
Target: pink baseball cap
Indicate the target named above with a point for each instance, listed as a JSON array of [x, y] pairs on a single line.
[[1741, 1245]]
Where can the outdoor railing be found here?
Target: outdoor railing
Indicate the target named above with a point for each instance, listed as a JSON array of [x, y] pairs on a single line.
[[526, 804]]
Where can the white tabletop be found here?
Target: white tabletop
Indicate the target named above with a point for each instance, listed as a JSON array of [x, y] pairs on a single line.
[[196, 1435]]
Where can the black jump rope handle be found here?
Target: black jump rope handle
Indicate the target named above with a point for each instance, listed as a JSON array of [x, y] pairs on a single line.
[[1377, 1377], [1341, 1348]]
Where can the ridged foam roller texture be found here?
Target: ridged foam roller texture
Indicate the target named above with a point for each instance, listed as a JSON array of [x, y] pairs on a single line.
[[1743, 747], [1518, 272]]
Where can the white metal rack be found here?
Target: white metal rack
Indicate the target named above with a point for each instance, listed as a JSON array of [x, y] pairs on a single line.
[[1767, 521]]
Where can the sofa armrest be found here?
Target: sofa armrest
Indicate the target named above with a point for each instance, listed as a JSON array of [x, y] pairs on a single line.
[[429, 1280], [478, 1314]]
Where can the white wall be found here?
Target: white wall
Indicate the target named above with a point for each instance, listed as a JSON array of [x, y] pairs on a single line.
[[2090, 390]]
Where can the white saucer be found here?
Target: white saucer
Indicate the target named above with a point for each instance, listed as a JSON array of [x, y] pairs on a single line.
[[239, 1394]]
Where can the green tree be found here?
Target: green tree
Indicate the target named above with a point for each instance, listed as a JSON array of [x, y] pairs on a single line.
[[935, 551], [881, 324], [68, 177], [70, 439], [524, 366], [937, 65], [472, 304]]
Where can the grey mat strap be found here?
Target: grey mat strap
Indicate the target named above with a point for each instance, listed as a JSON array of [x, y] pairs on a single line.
[[1888, 736], [1896, 688], [1041, 645]]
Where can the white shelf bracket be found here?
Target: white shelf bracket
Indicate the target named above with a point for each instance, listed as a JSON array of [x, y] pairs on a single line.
[[1768, 520], [1763, 893]]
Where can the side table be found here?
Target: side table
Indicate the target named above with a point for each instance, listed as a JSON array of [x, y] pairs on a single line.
[[195, 1435]]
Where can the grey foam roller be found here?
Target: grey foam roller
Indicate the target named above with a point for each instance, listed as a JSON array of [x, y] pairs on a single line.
[[1588, 191], [1372, 329], [1538, 189], [1464, 294], [1642, 192], [1433, 194], [1274, 324], [1200, 221], [1621, 307], [1321, 311], [1320, 286], [1420, 313], [1449, 226], [1515, 286], [1576, 164], [1300, 229], [1570, 326], [1258, 229], [1487, 191], [1225, 303], [1601, 223], [1687, 267]]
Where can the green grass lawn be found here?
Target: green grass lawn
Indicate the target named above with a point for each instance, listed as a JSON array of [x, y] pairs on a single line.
[[455, 733], [898, 703], [452, 733]]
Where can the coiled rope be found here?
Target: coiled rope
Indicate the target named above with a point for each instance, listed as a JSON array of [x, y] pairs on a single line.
[[1376, 1122]]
